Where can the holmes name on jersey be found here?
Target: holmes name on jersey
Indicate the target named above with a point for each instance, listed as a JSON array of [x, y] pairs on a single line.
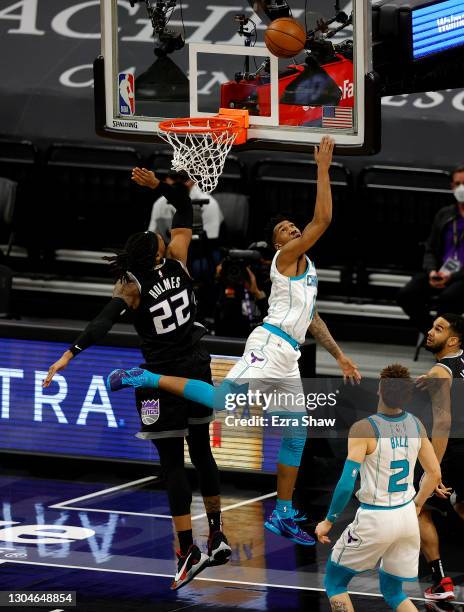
[[166, 284]]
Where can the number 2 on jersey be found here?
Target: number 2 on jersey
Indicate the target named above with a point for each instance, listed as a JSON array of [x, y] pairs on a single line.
[[177, 307], [394, 485]]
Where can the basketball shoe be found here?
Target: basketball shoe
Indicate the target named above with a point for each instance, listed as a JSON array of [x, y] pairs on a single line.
[[287, 528], [188, 566], [443, 591]]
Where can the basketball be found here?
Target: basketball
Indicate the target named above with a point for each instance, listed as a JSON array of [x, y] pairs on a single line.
[[285, 37]]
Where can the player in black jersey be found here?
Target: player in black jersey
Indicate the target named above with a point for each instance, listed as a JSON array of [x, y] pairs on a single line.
[[154, 285], [445, 341]]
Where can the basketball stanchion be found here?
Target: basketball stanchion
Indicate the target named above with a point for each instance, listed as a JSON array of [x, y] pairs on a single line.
[[201, 144]]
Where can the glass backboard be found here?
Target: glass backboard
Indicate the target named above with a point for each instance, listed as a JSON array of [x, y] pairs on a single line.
[[165, 59]]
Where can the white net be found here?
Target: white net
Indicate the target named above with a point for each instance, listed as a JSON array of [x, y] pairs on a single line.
[[201, 154]]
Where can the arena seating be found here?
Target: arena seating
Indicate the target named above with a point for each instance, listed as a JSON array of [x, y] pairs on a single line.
[[91, 191], [91, 198]]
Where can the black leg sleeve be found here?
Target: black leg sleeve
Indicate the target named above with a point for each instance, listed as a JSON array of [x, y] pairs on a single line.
[[203, 460], [171, 453]]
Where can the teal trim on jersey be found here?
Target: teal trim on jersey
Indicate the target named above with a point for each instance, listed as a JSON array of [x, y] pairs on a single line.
[[273, 329], [374, 427], [400, 417], [308, 267], [364, 506], [398, 577], [416, 421], [289, 301]]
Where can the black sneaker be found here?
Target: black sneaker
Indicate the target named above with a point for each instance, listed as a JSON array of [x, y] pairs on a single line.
[[219, 550], [189, 566]]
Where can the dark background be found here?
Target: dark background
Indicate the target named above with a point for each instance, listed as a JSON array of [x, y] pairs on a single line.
[[36, 103]]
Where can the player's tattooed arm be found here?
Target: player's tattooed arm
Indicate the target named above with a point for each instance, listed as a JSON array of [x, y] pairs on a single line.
[[339, 606], [322, 335], [128, 292], [124, 294]]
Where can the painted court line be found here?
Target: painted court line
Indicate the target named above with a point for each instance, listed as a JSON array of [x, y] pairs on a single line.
[[105, 491], [67, 505], [166, 516], [240, 582], [238, 504]]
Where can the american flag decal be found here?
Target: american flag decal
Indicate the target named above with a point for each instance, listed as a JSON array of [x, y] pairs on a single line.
[[337, 117]]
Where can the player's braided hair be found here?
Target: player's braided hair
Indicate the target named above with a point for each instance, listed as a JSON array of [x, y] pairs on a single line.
[[138, 256], [396, 386]]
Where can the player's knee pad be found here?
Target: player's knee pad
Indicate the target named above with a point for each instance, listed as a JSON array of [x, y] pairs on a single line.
[[291, 449], [391, 588], [336, 578]]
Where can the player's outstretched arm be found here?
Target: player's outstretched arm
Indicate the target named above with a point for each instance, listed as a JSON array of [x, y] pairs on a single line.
[[432, 472], [438, 384], [322, 217], [124, 295], [357, 449], [320, 332]]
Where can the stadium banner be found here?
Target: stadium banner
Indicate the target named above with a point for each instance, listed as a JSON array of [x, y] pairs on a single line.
[[77, 417], [47, 84]]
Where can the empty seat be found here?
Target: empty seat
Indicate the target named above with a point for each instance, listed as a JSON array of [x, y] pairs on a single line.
[[288, 187], [19, 162], [235, 210], [96, 204], [398, 206]]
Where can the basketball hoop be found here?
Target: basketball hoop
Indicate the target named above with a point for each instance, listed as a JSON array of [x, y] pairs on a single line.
[[201, 144]]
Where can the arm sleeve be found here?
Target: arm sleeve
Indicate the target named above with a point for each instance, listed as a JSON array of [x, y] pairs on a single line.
[[343, 490], [177, 194], [97, 329]]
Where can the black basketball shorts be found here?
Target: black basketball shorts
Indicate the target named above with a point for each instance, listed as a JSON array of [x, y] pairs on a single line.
[[163, 415]]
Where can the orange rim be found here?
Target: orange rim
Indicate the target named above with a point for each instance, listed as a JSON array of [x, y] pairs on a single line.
[[199, 125]]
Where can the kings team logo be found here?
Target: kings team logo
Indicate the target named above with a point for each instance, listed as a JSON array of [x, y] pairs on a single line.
[[150, 411], [126, 94]]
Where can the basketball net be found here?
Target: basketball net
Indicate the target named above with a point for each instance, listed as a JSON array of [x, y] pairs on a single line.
[[201, 144]]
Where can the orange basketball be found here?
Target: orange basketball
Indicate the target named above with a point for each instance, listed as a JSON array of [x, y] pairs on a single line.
[[285, 37]]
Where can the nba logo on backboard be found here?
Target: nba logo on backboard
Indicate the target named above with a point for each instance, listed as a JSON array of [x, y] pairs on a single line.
[[126, 94]]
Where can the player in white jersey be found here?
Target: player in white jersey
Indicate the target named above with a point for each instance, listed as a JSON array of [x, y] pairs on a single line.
[[270, 360], [384, 449]]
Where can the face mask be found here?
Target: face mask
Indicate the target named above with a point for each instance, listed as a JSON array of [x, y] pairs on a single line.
[[459, 194]]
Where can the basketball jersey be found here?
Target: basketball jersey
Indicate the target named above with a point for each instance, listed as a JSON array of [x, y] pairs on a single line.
[[455, 366], [293, 300], [165, 318], [387, 474]]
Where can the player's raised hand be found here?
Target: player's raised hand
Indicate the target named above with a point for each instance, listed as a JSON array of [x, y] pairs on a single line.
[[57, 367], [323, 153], [145, 178], [349, 370], [322, 530]]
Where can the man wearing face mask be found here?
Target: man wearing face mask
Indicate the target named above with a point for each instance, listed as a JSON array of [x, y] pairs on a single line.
[[443, 276]]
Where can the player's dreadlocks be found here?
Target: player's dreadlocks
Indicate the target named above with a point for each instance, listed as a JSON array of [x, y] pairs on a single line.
[[138, 256]]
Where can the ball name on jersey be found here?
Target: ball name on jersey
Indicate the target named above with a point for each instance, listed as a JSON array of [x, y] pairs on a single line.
[[166, 284], [399, 442]]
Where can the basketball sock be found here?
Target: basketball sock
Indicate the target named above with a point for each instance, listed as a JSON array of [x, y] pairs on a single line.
[[185, 541], [214, 521], [437, 571], [284, 508]]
